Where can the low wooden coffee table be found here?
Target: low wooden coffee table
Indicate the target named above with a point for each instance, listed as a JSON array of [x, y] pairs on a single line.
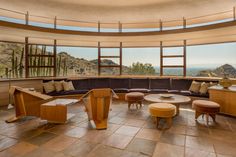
[[56, 110], [174, 99]]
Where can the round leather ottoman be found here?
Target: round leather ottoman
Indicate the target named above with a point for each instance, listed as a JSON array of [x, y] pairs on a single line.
[[206, 107], [134, 98], [162, 110]]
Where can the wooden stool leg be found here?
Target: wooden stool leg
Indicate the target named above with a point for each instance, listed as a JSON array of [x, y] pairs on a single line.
[[207, 118], [197, 114], [129, 104], [213, 116], [169, 122]]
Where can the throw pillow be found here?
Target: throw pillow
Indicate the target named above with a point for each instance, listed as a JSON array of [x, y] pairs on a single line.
[[68, 86], [204, 88], [49, 87], [195, 86], [58, 85]]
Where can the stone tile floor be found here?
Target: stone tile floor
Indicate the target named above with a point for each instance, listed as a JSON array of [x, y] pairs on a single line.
[[131, 133]]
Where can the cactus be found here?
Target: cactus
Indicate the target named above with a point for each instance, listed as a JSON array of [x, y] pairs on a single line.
[[64, 67], [59, 65], [21, 63], [13, 63], [16, 67]]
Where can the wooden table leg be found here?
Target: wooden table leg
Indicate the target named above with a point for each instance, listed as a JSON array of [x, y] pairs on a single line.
[[177, 109]]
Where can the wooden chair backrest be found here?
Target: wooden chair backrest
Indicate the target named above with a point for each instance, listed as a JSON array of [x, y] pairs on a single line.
[[100, 103], [27, 103]]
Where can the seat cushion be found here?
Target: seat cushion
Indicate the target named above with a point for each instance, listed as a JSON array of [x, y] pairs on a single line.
[[134, 96], [163, 110], [158, 91], [69, 92], [205, 104], [121, 90]]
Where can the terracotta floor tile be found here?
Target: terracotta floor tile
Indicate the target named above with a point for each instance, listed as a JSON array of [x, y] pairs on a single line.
[[135, 122], [177, 129], [117, 141], [105, 151], [59, 143], [6, 142], [132, 154], [76, 132], [130, 133], [142, 146], [61, 129], [200, 143], [174, 139], [22, 148], [41, 138], [168, 150], [80, 148], [225, 148], [191, 152], [96, 136], [149, 134], [117, 120], [40, 152], [127, 130], [197, 131]]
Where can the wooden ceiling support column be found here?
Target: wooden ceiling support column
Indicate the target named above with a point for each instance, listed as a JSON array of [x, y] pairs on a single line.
[[120, 58], [161, 59], [55, 58], [184, 57], [99, 59]]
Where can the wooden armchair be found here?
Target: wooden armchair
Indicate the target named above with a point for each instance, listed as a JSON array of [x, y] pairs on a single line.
[[97, 104], [27, 103]]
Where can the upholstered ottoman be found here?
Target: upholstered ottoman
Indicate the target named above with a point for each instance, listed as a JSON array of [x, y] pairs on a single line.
[[162, 110], [209, 108], [135, 98]]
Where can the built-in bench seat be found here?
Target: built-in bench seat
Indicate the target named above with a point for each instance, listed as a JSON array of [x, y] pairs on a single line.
[[125, 85]]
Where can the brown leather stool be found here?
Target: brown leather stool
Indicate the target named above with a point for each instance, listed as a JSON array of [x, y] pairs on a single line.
[[135, 98], [205, 107]]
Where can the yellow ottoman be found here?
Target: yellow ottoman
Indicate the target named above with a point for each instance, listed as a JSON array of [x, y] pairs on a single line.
[[162, 110]]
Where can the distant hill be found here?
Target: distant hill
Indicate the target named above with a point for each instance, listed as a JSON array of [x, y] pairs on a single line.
[[227, 69]]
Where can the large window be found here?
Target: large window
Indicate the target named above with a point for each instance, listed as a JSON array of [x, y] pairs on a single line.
[[76, 61], [212, 60], [141, 61], [12, 60], [40, 60]]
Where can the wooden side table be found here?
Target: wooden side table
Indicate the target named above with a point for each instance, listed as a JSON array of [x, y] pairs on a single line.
[[56, 110]]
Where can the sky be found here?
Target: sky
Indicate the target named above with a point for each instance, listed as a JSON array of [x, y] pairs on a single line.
[[197, 56]]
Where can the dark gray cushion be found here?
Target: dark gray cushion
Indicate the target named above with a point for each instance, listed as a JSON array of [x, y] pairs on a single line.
[[158, 90], [121, 90], [142, 90], [99, 83], [119, 83], [180, 84], [70, 92], [139, 83], [160, 83], [81, 84]]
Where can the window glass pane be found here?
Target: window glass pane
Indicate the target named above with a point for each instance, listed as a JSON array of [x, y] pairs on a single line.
[[77, 61], [173, 61], [173, 71], [11, 60], [141, 61], [41, 60], [212, 60]]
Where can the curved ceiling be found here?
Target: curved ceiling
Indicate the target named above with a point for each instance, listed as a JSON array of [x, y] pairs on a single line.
[[217, 33], [119, 10]]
